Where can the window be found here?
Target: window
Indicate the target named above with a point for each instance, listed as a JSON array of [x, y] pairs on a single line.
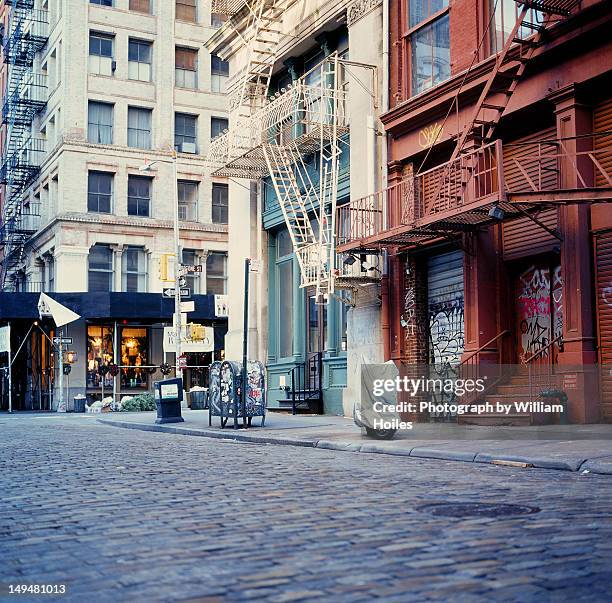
[[139, 128], [284, 292], [99, 192], [192, 279], [217, 20], [51, 274], [102, 2], [217, 125], [139, 196], [216, 273], [134, 354], [504, 19], [101, 54], [100, 268], [219, 71], [185, 67], [139, 60], [185, 127], [100, 339], [100, 123], [141, 6], [219, 204], [186, 10], [317, 333], [134, 270], [188, 200], [428, 41]]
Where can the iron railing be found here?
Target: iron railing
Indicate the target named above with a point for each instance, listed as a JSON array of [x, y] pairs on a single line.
[[307, 383], [487, 364], [541, 368]]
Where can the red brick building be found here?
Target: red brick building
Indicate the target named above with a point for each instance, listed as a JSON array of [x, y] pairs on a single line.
[[495, 223]]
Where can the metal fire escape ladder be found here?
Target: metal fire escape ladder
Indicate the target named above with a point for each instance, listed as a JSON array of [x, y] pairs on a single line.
[[294, 200], [266, 17], [302, 202], [25, 97], [496, 94]]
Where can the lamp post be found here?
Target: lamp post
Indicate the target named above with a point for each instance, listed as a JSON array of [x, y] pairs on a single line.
[[177, 258]]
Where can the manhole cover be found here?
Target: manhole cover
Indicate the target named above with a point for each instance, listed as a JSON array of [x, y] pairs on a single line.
[[474, 509]]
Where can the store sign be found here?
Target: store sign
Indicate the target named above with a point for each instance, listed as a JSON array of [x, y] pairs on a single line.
[[188, 345], [5, 339]]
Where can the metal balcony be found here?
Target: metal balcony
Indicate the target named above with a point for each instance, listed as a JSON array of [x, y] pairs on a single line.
[[22, 166], [227, 7], [302, 116], [480, 188]]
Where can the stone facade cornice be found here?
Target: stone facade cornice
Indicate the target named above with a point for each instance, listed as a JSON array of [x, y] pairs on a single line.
[[140, 222], [359, 9]]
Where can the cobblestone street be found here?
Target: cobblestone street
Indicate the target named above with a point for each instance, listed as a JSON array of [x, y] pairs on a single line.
[[123, 515]]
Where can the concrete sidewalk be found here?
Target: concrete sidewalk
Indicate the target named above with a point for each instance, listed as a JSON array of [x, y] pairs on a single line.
[[569, 447]]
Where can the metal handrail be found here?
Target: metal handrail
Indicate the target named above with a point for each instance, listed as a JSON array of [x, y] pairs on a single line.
[[546, 348], [484, 346]]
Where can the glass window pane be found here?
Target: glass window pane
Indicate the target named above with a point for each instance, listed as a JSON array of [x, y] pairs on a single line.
[[285, 309]]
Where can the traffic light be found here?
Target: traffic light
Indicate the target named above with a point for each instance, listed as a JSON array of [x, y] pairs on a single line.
[[196, 332]]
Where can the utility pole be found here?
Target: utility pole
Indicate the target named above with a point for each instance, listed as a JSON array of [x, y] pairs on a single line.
[[177, 272], [60, 352], [245, 337]]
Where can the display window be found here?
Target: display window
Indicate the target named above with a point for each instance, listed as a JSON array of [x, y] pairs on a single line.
[[134, 356], [99, 352]]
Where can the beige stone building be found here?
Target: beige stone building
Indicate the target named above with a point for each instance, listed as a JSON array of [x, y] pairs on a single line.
[[128, 83], [279, 46]]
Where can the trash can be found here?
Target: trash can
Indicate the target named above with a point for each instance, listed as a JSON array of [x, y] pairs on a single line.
[[79, 403], [168, 398], [199, 398]]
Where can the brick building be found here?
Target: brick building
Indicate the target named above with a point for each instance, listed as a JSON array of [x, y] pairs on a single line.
[[495, 226]]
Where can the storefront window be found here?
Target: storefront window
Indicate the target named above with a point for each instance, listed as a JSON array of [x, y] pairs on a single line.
[[284, 277], [99, 352], [134, 355], [316, 331]]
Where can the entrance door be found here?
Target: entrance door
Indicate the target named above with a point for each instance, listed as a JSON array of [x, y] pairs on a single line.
[[603, 255], [539, 309], [445, 307]]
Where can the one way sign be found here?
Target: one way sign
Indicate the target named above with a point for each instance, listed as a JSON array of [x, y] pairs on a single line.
[[169, 292]]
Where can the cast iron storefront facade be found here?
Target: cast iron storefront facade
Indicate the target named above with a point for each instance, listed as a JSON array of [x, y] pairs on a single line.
[[116, 328]]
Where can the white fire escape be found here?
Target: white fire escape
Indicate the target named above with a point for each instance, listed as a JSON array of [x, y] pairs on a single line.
[[280, 137]]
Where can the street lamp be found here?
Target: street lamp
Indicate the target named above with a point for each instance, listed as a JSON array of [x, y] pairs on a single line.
[[177, 258]]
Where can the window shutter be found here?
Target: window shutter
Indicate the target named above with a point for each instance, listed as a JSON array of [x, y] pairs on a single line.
[[141, 6], [185, 58], [186, 10]]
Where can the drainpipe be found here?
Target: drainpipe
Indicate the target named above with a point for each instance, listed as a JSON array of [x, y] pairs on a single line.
[[384, 285]]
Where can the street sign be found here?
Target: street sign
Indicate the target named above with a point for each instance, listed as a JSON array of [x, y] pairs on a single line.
[[62, 340], [182, 361], [169, 292], [187, 307], [255, 266], [190, 269]]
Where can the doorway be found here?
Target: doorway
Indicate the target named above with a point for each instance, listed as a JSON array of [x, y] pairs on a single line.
[[538, 289]]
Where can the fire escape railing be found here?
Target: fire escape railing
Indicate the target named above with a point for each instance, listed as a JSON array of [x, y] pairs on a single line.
[[471, 180], [25, 96], [545, 171]]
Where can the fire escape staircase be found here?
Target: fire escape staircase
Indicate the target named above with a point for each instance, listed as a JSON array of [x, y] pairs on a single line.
[[534, 16], [21, 156]]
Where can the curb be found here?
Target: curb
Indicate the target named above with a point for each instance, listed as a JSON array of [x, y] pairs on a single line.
[[598, 465]]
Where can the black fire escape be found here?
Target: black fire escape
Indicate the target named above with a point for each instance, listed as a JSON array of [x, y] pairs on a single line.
[[24, 97]]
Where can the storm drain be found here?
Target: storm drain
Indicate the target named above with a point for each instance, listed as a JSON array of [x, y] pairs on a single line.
[[475, 509]]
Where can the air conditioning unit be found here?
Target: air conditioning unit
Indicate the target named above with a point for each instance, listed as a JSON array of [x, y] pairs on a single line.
[[188, 147]]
